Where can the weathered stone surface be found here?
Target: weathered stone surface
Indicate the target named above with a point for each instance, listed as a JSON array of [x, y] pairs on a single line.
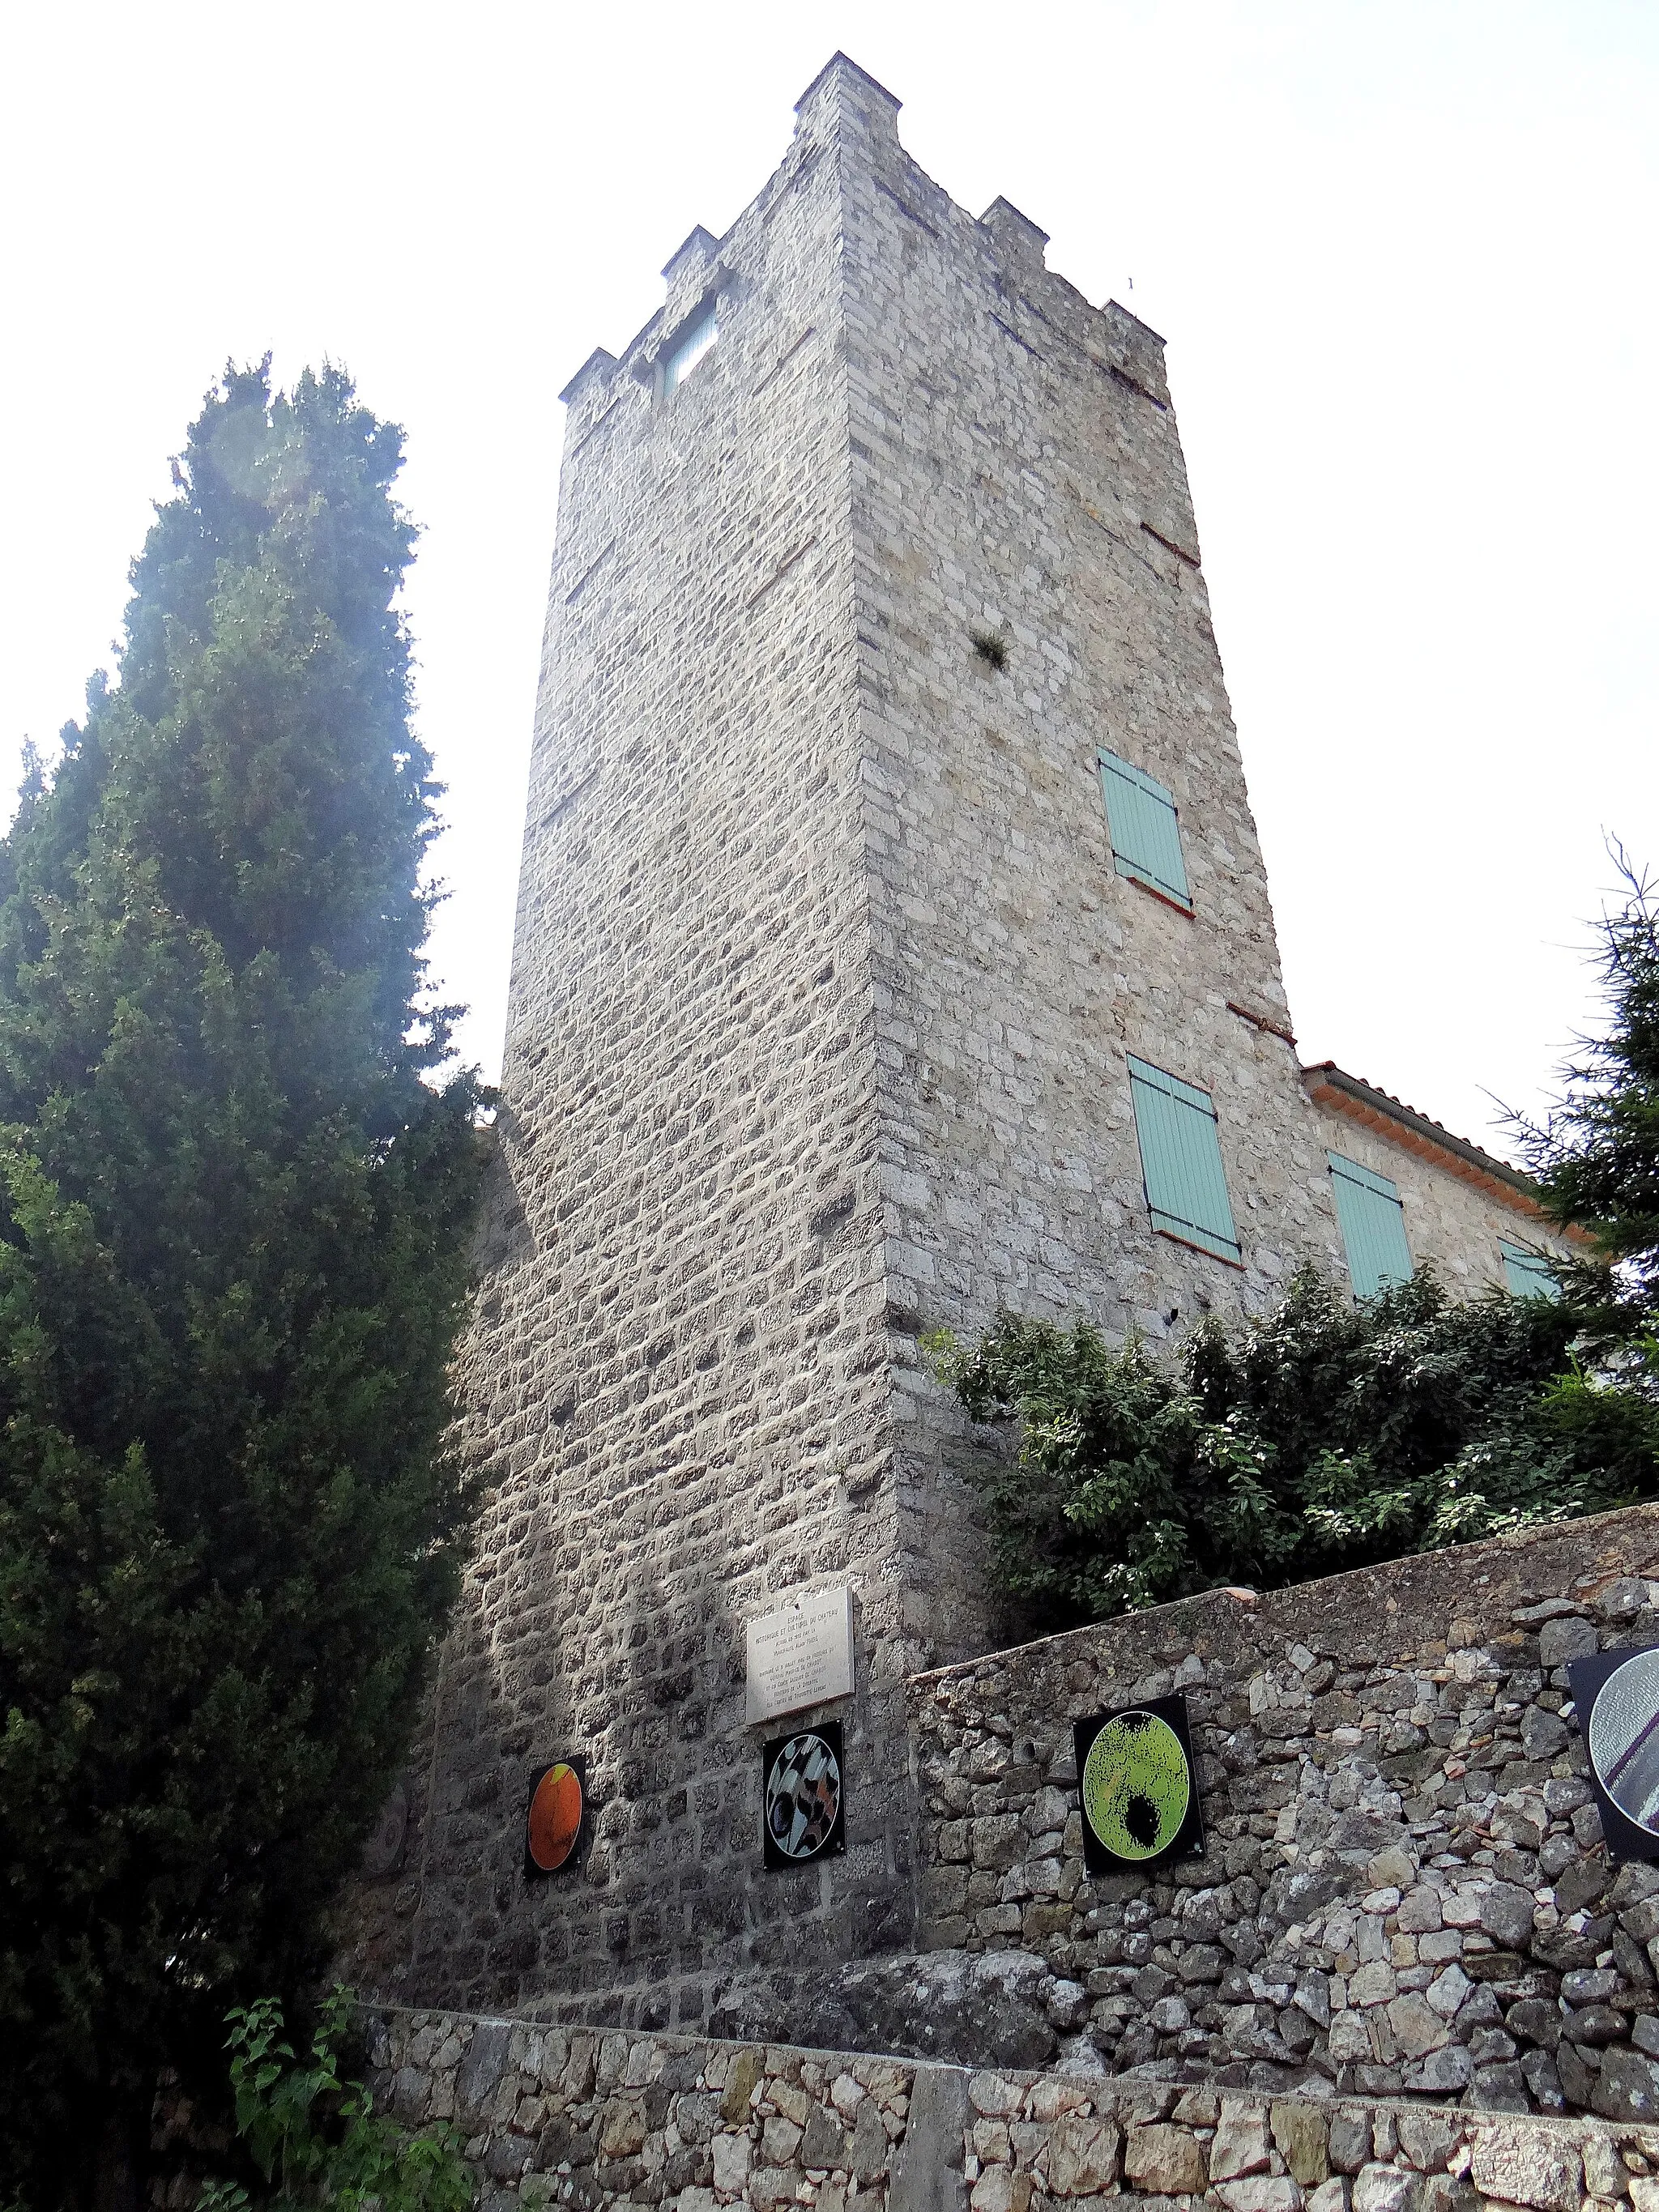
[[1240, 2143], [645, 2125], [981, 2007], [1563, 1640], [1164, 2161], [926, 2168], [1506, 1914], [823, 983], [481, 2071], [1626, 2087], [1526, 2168], [1083, 2155], [1379, 2188], [1300, 2133], [1260, 2192]]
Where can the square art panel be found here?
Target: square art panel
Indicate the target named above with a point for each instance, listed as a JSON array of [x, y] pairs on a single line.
[[802, 1796]]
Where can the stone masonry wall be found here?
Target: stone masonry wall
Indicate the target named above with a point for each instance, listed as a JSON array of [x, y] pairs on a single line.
[[675, 1380], [1403, 1887], [822, 986], [554, 2118], [1018, 476]]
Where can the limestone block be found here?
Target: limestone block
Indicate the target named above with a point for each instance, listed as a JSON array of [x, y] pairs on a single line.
[[1083, 2155], [731, 2156], [1373, 1983], [746, 2069], [1417, 2026], [1527, 2166], [1163, 2160], [994, 2094], [1260, 2192], [1000, 2188], [1240, 2145], [1506, 1914], [1378, 2188], [1301, 2133], [1566, 1638]]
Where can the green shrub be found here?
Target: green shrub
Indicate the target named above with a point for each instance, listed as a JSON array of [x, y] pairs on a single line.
[[1321, 1435], [317, 2139]]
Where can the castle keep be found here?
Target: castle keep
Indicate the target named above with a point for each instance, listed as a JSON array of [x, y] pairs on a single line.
[[893, 945]]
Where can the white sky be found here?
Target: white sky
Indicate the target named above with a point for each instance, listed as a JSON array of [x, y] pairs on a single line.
[[1403, 251]]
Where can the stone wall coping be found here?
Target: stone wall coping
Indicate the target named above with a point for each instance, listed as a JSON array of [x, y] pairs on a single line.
[[1299, 1597], [1115, 2090]]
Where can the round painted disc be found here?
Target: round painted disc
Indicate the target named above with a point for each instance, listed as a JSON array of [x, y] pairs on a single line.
[[803, 1796], [556, 1817], [1136, 1785], [1624, 1739]]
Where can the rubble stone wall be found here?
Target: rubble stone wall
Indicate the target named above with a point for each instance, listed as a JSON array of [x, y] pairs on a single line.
[[552, 2117], [1403, 1887]]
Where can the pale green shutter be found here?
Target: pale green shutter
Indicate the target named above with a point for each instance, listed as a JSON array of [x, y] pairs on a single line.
[[1145, 833], [1181, 1160], [1373, 1225], [1529, 1275]]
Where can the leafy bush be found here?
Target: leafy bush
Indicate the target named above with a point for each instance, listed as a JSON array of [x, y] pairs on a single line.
[[1323, 1436], [317, 2140]]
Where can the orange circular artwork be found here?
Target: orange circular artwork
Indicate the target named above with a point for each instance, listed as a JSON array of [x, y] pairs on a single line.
[[556, 1818]]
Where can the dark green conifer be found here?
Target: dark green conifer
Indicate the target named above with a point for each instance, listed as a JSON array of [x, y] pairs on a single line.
[[236, 1180], [1597, 1155]]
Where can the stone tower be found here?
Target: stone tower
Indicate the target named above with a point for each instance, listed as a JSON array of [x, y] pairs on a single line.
[[826, 985]]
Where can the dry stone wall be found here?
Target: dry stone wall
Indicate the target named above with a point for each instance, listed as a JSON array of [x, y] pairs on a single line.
[[555, 2117], [1403, 1887]]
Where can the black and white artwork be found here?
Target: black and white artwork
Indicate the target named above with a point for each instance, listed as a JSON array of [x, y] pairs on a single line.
[[802, 1796], [1615, 1695]]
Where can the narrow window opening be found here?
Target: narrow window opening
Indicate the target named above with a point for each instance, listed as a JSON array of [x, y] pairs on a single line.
[[688, 347]]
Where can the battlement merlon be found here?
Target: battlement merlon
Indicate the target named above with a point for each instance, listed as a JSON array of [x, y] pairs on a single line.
[[844, 101], [842, 86]]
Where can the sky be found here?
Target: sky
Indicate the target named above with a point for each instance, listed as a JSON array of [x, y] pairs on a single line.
[[1402, 252]]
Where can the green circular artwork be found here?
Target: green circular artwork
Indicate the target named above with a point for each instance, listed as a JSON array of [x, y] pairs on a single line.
[[1137, 1786]]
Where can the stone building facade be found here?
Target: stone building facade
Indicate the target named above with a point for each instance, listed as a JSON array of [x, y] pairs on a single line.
[[828, 985]]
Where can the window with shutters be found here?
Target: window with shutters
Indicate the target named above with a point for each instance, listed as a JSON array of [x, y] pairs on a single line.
[[1373, 1226], [689, 348], [1180, 1161], [1143, 829], [1528, 1273]]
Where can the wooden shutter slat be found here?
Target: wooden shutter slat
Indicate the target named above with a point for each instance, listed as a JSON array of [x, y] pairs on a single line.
[[1528, 1273]]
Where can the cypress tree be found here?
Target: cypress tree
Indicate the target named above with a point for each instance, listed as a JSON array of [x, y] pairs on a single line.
[[237, 1173]]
